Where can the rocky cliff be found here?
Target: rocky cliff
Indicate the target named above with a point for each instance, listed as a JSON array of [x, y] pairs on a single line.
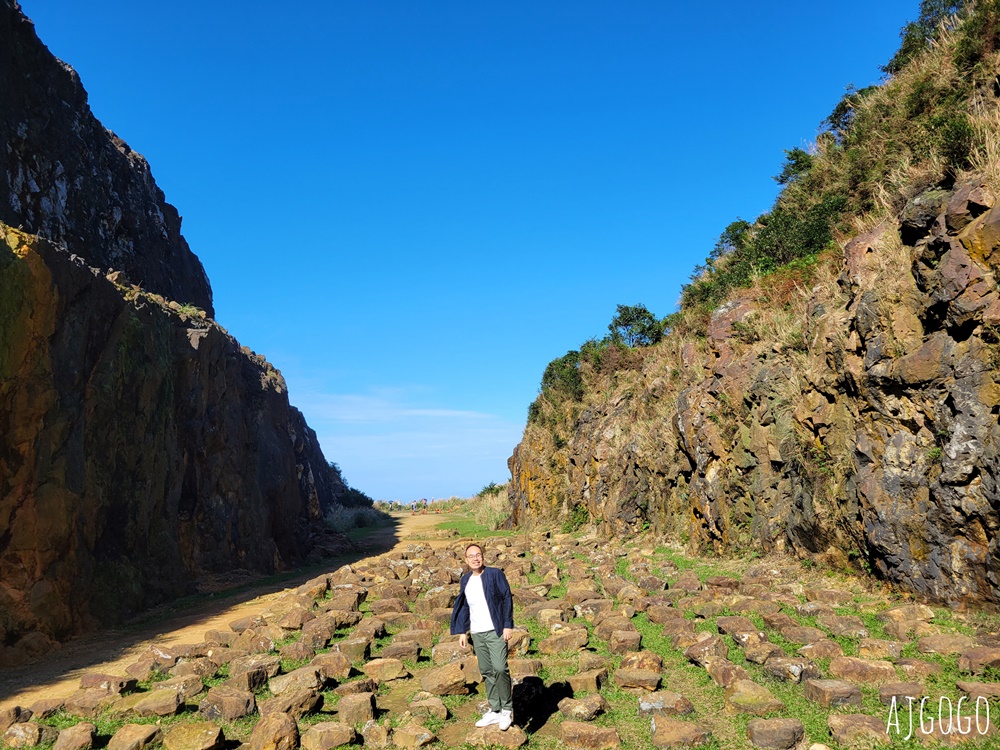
[[855, 423], [141, 447], [68, 179]]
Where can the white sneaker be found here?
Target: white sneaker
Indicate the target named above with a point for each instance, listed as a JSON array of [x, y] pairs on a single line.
[[506, 718], [490, 717]]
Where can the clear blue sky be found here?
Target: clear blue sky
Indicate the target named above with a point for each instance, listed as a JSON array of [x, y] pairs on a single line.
[[411, 208]]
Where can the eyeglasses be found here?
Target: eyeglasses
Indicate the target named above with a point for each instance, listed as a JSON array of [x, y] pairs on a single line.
[[475, 556]]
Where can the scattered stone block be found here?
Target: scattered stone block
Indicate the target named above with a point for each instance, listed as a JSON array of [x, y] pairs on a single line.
[[134, 737], [297, 651], [907, 612], [746, 696], [332, 665], [584, 709], [447, 680], [567, 639], [225, 703], [276, 731], [979, 689], [355, 649], [158, 703], [88, 703], [609, 625], [521, 668], [110, 683], [356, 709], [186, 686], [327, 735], [411, 735], [848, 729], [846, 626], [775, 734], [945, 644], [735, 624], [355, 687], [40, 710], [385, 606], [822, 650], [761, 653], [707, 648], [724, 673], [642, 660], [79, 737], [827, 596], [198, 735], [791, 669], [385, 670], [303, 678], [622, 641], [23, 734], [14, 715], [578, 735], [589, 681], [493, 736], [976, 660], [297, 703], [900, 691], [664, 703], [375, 735], [427, 705], [832, 693], [862, 670], [637, 678], [918, 669], [873, 648], [672, 733], [663, 613], [802, 635]]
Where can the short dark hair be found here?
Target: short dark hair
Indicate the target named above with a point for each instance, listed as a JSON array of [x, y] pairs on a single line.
[[477, 546]]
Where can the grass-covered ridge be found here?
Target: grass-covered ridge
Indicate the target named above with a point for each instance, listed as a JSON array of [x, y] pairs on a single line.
[[933, 120]]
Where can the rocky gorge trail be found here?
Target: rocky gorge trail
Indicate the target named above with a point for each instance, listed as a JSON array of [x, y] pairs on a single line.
[[58, 673], [617, 644]]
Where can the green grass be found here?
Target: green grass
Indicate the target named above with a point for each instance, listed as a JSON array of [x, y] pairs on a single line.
[[466, 526]]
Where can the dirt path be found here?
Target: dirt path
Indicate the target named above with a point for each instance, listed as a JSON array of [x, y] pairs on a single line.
[[57, 674]]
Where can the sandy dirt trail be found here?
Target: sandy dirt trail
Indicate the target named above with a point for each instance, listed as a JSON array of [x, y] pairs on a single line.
[[57, 674]]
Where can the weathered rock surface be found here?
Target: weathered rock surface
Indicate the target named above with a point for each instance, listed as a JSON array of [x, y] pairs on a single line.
[[212, 462], [888, 381]]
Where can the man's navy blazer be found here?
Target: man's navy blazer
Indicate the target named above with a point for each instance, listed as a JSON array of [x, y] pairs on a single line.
[[498, 599]]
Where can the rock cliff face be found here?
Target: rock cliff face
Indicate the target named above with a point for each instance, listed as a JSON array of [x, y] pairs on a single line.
[[68, 179], [140, 446], [857, 423]]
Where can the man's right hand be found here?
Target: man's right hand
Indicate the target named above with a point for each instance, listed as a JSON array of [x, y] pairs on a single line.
[[463, 642]]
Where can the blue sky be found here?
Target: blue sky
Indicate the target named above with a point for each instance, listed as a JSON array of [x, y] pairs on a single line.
[[411, 208]]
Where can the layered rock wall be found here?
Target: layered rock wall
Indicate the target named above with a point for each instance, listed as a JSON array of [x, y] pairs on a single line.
[[858, 425], [142, 449], [68, 179]]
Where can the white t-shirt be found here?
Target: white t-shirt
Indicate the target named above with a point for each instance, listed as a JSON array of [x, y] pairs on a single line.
[[479, 611]]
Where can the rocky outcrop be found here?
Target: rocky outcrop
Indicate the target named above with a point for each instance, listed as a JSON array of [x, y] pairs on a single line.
[[856, 422], [141, 447], [68, 179]]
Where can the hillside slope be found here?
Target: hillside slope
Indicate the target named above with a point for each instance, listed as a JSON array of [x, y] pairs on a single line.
[[829, 387]]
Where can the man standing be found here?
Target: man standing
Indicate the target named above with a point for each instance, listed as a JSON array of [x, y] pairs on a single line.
[[485, 608]]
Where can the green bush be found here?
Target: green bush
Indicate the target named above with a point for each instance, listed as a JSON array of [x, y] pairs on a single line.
[[561, 380], [578, 517], [634, 325]]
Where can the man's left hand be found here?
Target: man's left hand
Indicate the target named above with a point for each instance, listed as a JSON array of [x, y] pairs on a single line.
[[508, 633]]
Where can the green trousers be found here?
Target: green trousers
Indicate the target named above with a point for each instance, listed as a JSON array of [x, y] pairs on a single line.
[[491, 651]]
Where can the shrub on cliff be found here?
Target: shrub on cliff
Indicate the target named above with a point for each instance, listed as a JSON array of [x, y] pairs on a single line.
[[879, 146], [635, 325]]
